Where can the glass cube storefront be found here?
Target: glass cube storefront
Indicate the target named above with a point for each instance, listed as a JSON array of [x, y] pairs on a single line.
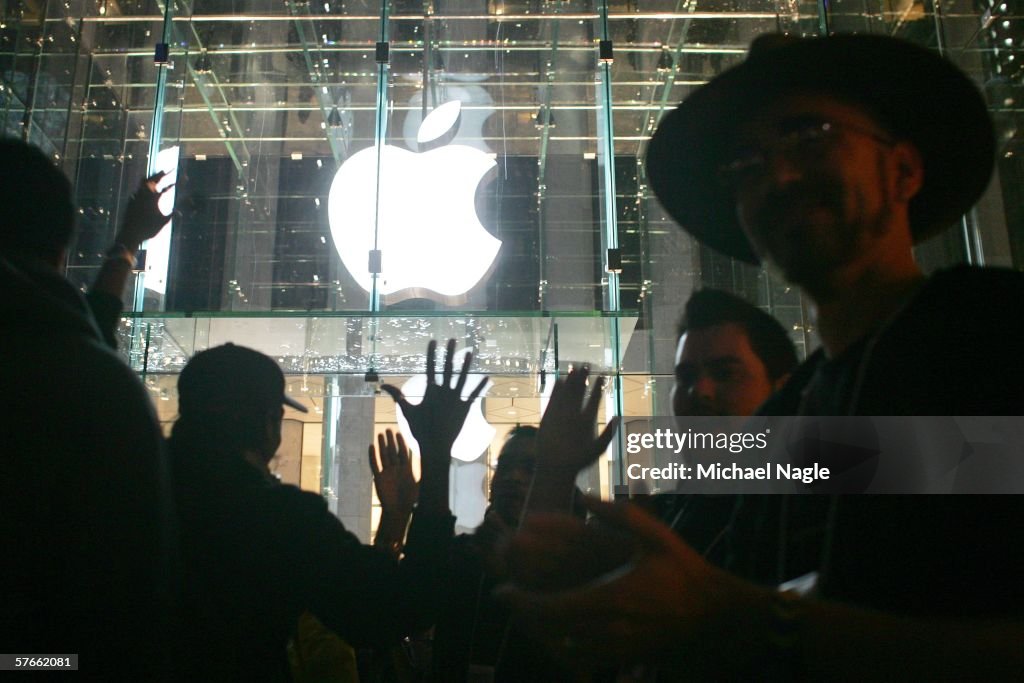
[[490, 188]]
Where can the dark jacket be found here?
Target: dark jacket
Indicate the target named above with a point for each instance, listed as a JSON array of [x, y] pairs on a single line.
[[954, 350], [258, 553], [84, 503]]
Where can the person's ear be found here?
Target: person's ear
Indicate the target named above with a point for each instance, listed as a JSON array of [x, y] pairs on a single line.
[[909, 171], [60, 260], [272, 428]]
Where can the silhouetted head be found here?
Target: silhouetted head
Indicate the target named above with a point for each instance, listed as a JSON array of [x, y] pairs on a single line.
[[513, 476], [514, 473], [37, 218], [236, 393]]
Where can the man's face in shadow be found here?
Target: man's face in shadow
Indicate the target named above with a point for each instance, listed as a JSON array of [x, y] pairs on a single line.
[[512, 478], [819, 186], [718, 373]]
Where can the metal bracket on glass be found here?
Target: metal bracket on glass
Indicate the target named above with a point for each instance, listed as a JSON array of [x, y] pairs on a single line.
[[375, 262], [614, 263], [382, 53], [604, 51], [162, 54]]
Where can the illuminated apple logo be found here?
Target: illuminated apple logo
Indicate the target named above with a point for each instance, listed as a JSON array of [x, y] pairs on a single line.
[[429, 234]]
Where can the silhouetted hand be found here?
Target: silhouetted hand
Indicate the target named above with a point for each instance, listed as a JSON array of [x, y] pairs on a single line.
[[142, 219], [392, 476], [566, 440], [437, 420], [566, 443]]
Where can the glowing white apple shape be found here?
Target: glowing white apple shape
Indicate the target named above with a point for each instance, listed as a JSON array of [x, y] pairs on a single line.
[[427, 228]]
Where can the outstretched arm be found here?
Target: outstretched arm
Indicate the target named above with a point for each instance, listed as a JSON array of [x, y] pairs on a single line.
[[667, 606], [436, 422], [142, 220], [400, 598]]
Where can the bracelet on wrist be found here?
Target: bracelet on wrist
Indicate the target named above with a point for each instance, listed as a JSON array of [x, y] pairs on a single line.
[[120, 251]]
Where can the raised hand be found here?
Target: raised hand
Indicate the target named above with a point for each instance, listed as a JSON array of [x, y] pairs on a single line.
[[396, 490], [392, 475], [566, 438], [566, 442], [437, 420], [142, 218]]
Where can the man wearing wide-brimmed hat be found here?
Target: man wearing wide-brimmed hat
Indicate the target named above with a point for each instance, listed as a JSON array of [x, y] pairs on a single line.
[[830, 159]]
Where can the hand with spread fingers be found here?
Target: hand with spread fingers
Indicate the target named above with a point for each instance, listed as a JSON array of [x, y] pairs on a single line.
[[437, 420], [566, 443], [396, 489]]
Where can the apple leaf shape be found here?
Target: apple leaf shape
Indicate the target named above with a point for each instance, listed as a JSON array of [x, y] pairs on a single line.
[[439, 121]]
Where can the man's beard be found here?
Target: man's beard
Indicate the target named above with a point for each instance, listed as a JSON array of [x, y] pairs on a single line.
[[805, 229]]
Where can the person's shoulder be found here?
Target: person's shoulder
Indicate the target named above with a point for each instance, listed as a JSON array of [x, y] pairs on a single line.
[[294, 499], [786, 400], [299, 519], [967, 301], [107, 376], [973, 281]]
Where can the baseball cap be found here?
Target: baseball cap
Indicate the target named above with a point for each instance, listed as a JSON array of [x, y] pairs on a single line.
[[226, 376]]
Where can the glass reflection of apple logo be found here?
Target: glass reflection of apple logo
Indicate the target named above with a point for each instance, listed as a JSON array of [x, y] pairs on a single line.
[[430, 236]]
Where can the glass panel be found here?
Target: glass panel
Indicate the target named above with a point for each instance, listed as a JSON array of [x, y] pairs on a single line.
[[267, 100], [350, 345]]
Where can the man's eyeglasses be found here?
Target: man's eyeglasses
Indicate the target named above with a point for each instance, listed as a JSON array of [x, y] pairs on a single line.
[[802, 141]]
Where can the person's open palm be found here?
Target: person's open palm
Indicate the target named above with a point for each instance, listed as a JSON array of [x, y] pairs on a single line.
[[392, 475], [566, 440], [437, 420]]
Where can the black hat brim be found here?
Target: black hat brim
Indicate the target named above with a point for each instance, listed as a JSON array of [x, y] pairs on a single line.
[[912, 92]]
